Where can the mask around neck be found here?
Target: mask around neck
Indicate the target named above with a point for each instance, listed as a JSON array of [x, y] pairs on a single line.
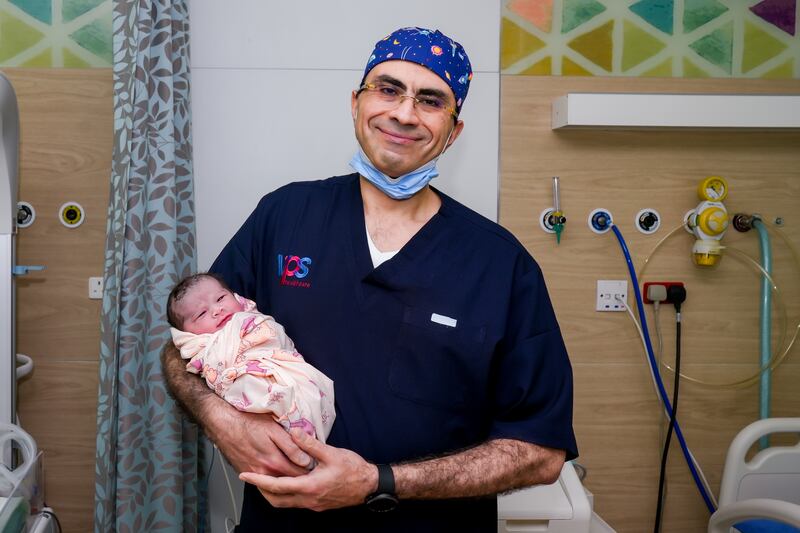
[[402, 187]]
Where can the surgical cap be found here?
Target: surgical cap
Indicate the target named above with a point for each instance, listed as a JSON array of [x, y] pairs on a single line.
[[431, 49]]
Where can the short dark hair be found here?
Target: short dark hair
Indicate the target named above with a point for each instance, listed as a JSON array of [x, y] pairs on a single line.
[[179, 291]]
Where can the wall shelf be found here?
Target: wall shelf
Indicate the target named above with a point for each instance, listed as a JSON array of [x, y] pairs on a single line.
[[711, 111]]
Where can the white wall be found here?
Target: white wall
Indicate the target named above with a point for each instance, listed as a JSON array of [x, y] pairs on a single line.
[[271, 85]]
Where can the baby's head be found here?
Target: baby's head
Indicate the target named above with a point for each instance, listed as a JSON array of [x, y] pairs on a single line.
[[201, 303]]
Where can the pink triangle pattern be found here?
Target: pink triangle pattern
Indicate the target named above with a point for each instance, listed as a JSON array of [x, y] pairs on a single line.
[[780, 13], [537, 12]]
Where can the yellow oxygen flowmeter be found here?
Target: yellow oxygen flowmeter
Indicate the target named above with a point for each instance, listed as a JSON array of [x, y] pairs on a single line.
[[708, 221]]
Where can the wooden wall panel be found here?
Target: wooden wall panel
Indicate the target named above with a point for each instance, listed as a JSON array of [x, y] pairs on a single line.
[[617, 418], [65, 155]]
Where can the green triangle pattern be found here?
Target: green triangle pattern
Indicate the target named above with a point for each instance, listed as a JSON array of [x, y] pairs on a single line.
[[638, 45], [72, 9], [656, 12], [95, 37], [699, 12], [717, 47], [576, 12], [15, 36], [39, 9], [759, 46]]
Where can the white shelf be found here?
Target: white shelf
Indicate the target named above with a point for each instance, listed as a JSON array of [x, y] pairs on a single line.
[[616, 110]]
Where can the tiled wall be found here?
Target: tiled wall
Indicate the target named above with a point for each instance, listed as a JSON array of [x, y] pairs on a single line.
[[55, 33], [665, 38]]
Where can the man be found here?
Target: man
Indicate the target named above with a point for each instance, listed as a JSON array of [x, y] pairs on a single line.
[[434, 323]]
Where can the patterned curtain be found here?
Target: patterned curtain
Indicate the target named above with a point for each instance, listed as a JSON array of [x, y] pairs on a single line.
[[148, 456]]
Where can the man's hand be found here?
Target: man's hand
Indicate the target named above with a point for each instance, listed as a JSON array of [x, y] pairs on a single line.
[[256, 443], [340, 479]]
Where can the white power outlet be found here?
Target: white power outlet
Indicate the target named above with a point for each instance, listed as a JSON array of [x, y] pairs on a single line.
[[609, 292], [95, 288]]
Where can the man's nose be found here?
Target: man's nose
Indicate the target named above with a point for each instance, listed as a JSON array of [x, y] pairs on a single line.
[[405, 112]]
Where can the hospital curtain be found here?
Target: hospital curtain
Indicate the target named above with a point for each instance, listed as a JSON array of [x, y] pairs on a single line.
[[147, 465]]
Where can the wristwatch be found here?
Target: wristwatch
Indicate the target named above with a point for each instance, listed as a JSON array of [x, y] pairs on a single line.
[[384, 499]]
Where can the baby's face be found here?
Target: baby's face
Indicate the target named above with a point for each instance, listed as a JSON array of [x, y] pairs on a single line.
[[207, 307]]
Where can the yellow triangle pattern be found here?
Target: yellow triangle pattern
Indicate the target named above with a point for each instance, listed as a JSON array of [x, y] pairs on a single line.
[[540, 68], [517, 43], [690, 70], [664, 70], [596, 45], [782, 72], [43, 60], [570, 68], [639, 45], [15, 36], [73, 61], [759, 46]]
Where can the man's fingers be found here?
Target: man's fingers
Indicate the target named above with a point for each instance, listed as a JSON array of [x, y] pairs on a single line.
[[271, 484], [286, 444], [309, 444]]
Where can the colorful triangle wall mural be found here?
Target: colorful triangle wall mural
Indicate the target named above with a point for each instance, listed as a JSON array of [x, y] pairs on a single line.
[[52, 33], [654, 38]]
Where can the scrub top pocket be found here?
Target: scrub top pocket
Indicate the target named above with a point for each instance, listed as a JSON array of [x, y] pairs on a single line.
[[439, 365]]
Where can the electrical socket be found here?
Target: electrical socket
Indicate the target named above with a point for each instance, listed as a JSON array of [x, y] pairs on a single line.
[[95, 288], [666, 284], [607, 292]]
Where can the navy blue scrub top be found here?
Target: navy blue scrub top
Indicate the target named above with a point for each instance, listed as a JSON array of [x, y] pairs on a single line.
[[451, 342]]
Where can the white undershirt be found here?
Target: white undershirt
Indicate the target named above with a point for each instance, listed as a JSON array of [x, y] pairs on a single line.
[[377, 256]]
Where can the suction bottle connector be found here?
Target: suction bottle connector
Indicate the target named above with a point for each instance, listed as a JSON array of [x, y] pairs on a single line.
[[708, 221]]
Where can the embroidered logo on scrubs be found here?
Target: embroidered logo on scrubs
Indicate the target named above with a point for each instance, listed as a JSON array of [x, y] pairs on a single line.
[[292, 266]]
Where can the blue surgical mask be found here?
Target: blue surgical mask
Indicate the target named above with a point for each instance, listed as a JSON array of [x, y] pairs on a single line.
[[400, 188]]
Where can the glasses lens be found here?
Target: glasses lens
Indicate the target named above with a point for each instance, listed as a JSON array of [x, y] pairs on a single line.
[[431, 103], [391, 94]]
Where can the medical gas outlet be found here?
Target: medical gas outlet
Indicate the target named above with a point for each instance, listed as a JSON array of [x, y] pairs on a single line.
[[709, 221], [552, 219], [600, 220]]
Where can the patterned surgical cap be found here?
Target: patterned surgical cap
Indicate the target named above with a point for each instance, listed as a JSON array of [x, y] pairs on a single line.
[[431, 49]]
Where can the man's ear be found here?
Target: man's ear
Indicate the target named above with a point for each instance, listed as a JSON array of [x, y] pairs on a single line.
[[456, 132], [354, 105]]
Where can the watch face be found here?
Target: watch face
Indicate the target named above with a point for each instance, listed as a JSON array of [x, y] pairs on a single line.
[[381, 503]]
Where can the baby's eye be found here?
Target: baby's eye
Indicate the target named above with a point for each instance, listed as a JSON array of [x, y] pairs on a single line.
[[221, 298], [201, 314]]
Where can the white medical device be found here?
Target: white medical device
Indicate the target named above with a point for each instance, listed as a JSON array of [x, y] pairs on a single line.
[[9, 157]]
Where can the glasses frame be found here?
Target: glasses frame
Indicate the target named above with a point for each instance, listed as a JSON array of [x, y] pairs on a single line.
[[371, 87]]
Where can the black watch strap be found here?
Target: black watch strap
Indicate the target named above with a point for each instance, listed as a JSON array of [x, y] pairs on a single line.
[[385, 480], [384, 498]]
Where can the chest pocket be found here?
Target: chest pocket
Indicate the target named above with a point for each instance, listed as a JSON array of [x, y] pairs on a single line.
[[439, 365]]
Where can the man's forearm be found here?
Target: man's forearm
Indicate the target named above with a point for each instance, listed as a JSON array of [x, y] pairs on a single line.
[[494, 466], [189, 390]]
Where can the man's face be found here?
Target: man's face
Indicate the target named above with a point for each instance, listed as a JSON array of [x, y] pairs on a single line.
[[400, 138]]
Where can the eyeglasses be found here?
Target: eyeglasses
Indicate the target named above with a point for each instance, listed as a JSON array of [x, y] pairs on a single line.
[[425, 103]]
